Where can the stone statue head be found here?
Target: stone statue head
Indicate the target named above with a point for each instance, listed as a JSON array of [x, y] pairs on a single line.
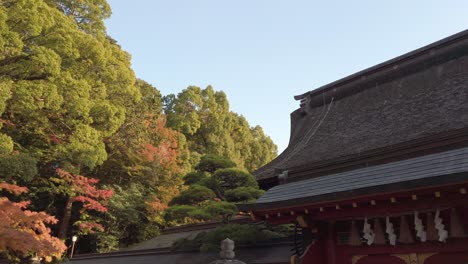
[[227, 249]]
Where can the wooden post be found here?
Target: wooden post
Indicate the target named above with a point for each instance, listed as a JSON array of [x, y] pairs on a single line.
[[330, 243], [405, 236], [431, 230], [354, 238], [456, 226], [379, 233]]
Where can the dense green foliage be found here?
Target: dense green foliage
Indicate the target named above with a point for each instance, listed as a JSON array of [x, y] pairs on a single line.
[[228, 179], [243, 235], [203, 116], [211, 163], [243, 194], [195, 194], [211, 196], [195, 176], [102, 151]]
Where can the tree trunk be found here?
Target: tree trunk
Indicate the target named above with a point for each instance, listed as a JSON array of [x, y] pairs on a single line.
[[65, 219]]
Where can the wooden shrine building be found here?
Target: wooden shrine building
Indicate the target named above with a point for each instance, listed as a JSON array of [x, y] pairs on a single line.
[[376, 170]]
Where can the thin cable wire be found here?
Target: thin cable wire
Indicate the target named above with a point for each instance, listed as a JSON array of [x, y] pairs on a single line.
[[310, 133]]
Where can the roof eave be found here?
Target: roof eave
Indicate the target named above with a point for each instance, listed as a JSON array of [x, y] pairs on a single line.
[[367, 193]]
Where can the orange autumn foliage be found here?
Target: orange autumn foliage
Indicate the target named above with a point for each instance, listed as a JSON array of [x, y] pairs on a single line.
[[159, 203], [14, 189], [167, 151], [89, 227], [155, 205], [24, 231]]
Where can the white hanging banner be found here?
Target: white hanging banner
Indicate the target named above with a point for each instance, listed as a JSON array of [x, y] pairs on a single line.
[[443, 234], [368, 233], [390, 231], [418, 225]]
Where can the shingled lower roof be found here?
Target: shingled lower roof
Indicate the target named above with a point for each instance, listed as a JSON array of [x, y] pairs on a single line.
[[441, 168]]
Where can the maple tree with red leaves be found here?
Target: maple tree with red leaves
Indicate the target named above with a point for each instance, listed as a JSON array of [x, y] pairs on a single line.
[[167, 151], [24, 231], [166, 155], [81, 189]]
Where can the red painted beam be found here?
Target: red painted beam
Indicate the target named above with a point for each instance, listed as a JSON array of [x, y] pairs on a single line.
[[385, 204], [393, 209]]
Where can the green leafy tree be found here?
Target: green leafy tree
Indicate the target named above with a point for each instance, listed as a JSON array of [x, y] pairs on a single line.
[[195, 177], [19, 167], [212, 196], [89, 15], [128, 219], [246, 235], [149, 164], [64, 89], [203, 116], [185, 110], [187, 214], [194, 195], [63, 82], [183, 214], [262, 149], [243, 194], [232, 178], [69, 99], [211, 163], [151, 154], [221, 211]]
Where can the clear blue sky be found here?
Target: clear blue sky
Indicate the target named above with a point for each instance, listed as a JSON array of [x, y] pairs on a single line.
[[263, 52]]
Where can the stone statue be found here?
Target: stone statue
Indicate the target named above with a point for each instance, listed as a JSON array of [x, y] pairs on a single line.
[[227, 253]]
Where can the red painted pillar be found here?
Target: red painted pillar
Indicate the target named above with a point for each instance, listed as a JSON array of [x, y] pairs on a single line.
[[317, 252], [330, 243]]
